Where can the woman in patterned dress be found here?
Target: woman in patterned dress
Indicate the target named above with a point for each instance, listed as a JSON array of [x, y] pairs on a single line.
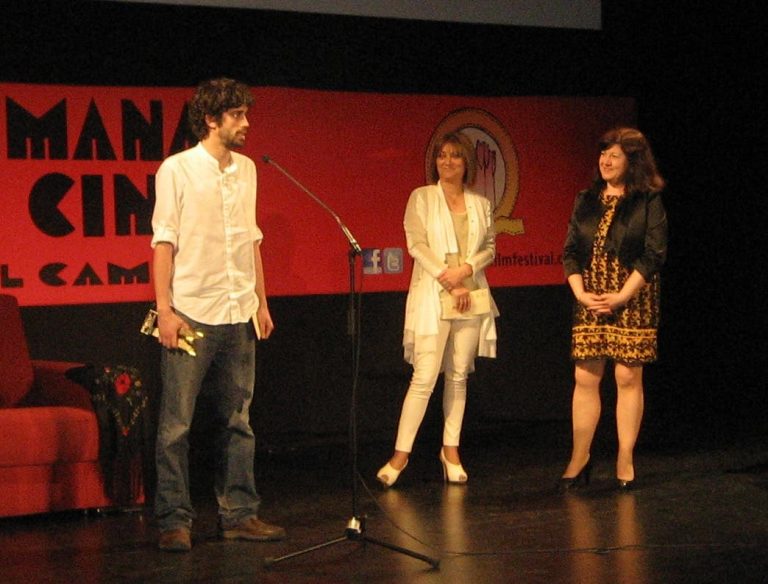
[[615, 247]]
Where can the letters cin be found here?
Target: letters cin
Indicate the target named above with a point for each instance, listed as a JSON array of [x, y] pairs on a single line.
[[47, 138]]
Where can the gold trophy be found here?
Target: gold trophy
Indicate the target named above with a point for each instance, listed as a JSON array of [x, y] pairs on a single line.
[[187, 337]]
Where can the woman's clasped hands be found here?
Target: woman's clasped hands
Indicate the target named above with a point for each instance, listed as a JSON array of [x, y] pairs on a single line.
[[452, 279], [606, 303]]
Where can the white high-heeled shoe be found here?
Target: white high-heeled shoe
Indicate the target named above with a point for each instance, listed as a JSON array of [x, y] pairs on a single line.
[[452, 473], [388, 474]]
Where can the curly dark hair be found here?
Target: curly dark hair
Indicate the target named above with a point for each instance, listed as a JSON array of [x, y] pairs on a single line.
[[213, 98], [642, 174], [466, 149]]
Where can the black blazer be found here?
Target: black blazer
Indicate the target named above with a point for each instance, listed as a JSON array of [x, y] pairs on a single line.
[[638, 233]]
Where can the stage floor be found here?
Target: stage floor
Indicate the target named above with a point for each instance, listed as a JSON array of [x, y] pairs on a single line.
[[699, 514]]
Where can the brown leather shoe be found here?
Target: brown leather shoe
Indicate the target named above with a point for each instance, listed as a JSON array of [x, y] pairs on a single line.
[[175, 540], [254, 529]]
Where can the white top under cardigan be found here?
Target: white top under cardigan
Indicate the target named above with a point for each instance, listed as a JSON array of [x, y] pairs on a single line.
[[429, 235]]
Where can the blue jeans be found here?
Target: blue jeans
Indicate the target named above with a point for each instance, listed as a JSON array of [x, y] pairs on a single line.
[[226, 359]]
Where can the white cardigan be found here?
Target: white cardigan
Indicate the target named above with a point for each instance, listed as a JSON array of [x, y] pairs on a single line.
[[429, 235]]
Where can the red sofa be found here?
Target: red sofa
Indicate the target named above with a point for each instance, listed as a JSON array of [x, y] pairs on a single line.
[[49, 435]]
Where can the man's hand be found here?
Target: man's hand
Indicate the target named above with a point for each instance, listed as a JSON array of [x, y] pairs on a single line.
[[169, 326], [264, 322]]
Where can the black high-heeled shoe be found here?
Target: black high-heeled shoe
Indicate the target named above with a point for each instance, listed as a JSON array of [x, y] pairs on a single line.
[[624, 486], [568, 483]]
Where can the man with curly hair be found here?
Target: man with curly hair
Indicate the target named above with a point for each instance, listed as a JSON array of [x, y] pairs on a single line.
[[209, 283]]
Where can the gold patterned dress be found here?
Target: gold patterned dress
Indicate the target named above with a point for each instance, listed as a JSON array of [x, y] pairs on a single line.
[[629, 335]]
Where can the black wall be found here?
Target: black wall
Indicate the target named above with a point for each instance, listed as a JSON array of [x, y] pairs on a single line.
[[697, 76]]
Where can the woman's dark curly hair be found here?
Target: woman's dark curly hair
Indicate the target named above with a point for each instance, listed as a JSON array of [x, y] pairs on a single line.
[[642, 174], [213, 98]]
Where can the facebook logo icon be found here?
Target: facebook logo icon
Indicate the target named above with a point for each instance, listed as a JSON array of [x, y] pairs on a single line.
[[386, 261], [372, 260]]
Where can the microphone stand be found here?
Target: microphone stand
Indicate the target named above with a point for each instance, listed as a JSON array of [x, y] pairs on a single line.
[[355, 529]]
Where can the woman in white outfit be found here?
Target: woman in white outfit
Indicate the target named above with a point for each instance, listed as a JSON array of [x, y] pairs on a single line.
[[449, 313]]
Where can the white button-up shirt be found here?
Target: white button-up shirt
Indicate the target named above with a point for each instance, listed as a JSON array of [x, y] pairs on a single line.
[[209, 216]]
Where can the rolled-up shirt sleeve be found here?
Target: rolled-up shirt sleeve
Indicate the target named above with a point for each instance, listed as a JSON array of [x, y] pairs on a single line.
[[165, 218], [252, 179]]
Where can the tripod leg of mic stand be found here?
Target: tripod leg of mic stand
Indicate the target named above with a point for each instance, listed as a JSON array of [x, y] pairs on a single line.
[[355, 531], [396, 548], [271, 561]]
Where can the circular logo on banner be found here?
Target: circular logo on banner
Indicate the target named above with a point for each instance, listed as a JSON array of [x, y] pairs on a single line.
[[497, 165]]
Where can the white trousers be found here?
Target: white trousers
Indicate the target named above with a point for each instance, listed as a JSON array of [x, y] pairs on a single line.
[[455, 348]]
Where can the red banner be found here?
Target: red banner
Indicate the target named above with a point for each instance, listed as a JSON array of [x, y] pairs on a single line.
[[78, 165]]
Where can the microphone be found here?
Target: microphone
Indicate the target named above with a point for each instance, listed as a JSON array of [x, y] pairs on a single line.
[[347, 233]]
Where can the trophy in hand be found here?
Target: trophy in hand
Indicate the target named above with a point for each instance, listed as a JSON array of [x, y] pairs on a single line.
[[187, 337]]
